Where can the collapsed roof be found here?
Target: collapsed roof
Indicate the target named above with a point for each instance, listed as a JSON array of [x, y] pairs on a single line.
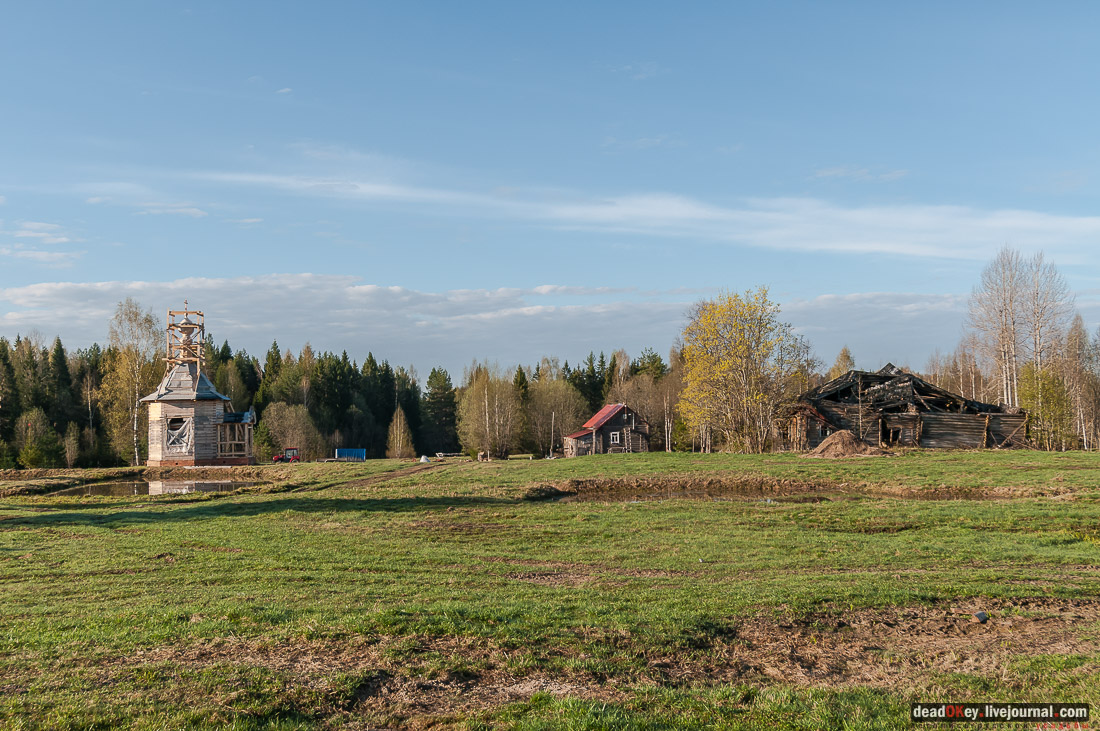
[[892, 390]]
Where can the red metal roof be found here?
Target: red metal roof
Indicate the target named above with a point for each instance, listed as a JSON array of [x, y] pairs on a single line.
[[603, 416], [578, 434]]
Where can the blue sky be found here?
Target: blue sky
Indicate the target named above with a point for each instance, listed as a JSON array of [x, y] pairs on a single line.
[[439, 182]]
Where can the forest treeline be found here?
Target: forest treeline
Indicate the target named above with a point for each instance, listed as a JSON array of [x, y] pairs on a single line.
[[736, 368], [82, 408]]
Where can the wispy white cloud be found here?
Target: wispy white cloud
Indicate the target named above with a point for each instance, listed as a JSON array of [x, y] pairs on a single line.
[[639, 71], [641, 143], [103, 191], [52, 258], [40, 232], [131, 194], [779, 224], [285, 90], [171, 209], [861, 174], [3, 200], [246, 221]]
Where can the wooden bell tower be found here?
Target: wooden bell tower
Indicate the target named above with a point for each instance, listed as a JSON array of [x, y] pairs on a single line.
[[186, 337], [189, 424]]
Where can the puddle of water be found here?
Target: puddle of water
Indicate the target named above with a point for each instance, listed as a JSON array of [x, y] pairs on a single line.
[[155, 487]]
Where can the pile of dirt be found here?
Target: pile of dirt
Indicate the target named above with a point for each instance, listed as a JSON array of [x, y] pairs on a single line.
[[844, 444]]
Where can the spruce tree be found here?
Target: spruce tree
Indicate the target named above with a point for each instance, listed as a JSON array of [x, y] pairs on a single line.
[[519, 382], [608, 377], [59, 387], [10, 406], [440, 413]]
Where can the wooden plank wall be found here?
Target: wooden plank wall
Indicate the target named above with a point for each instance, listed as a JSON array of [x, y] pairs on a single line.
[[953, 431], [930, 430], [907, 424], [847, 416], [156, 432], [1008, 430]]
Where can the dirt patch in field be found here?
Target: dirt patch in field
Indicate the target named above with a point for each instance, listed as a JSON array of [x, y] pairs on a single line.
[[241, 473], [767, 488], [572, 579], [844, 443], [459, 527], [387, 476], [392, 685], [900, 647], [409, 681], [713, 487]]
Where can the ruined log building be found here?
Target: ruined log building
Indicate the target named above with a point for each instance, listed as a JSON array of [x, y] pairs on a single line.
[[890, 407]]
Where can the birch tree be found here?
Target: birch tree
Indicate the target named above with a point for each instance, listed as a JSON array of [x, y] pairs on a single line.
[[132, 371], [555, 408], [399, 443], [1075, 373], [1047, 308], [489, 413], [994, 314]]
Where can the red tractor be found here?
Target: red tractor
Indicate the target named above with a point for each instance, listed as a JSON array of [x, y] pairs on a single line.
[[288, 455]]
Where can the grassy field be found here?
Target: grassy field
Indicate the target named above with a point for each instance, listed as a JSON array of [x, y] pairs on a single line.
[[676, 591]]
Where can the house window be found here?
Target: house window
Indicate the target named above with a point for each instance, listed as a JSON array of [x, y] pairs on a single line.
[[178, 436], [614, 437]]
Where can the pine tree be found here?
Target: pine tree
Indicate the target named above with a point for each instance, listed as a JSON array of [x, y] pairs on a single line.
[[650, 363]]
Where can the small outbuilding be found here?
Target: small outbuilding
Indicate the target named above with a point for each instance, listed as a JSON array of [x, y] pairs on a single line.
[[189, 423], [614, 428], [890, 407]]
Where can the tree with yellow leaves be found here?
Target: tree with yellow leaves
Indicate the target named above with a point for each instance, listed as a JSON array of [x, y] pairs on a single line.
[[740, 365], [133, 370]]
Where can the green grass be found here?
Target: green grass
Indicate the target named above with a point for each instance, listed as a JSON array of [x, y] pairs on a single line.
[[340, 594]]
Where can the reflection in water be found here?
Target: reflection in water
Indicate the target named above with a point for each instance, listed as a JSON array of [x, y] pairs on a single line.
[[155, 487]]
